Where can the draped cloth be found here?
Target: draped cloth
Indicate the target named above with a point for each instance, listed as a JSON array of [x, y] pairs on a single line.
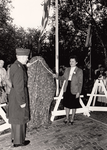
[[41, 87]]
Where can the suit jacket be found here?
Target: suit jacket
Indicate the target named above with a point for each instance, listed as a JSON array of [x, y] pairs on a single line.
[[76, 81]]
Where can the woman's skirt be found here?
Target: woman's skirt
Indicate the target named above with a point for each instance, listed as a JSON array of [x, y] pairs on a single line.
[[70, 100]]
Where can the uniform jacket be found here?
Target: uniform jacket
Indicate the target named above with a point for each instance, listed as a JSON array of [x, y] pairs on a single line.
[[18, 94], [76, 82]]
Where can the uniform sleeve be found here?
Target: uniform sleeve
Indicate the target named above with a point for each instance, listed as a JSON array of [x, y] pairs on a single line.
[[18, 84]]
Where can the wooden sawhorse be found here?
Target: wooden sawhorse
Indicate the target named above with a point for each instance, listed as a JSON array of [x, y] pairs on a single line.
[[6, 125], [98, 83], [57, 112]]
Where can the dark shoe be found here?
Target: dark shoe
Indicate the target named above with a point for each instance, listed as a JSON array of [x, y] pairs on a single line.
[[71, 122], [24, 144], [17, 145], [65, 121]]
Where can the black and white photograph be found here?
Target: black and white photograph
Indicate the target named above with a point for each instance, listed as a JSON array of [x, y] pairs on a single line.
[[53, 74]]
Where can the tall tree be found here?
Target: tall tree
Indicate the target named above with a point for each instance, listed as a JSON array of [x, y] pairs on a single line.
[[6, 31], [74, 18]]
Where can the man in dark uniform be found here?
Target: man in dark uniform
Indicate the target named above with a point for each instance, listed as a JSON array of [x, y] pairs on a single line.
[[19, 99]]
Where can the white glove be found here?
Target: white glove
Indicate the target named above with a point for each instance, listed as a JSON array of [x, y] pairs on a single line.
[[23, 105]]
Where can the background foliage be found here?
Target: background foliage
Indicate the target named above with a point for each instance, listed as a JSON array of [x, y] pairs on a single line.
[[74, 18]]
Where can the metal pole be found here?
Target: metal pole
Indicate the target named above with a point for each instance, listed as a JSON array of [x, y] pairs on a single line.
[[57, 49], [90, 63]]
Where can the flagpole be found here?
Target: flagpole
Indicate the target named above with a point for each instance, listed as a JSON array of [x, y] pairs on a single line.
[[57, 49], [90, 63], [90, 48]]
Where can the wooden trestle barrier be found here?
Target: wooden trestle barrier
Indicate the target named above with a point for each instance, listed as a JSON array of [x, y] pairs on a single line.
[[85, 108], [5, 125]]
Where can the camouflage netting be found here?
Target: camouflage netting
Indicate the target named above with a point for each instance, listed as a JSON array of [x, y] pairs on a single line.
[[41, 91]]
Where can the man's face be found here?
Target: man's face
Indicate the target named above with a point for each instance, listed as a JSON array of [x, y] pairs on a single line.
[[73, 62], [23, 59]]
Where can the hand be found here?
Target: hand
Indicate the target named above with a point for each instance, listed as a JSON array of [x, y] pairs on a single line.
[[28, 64], [77, 95], [23, 105], [55, 76]]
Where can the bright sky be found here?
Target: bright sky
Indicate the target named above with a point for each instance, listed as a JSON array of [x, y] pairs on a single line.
[[27, 13]]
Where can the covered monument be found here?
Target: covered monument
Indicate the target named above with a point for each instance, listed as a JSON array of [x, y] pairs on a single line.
[[41, 87]]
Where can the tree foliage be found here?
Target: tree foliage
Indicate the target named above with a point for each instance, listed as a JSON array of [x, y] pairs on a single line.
[[74, 18], [12, 37], [5, 6], [6, 32]]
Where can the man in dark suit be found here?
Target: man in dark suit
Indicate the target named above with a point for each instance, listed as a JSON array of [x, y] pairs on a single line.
[[18, 98]]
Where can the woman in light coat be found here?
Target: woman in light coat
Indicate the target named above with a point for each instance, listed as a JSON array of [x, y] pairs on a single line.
[[72, 89]]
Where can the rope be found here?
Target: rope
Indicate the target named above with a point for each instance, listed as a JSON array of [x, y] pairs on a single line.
[[29, 64]]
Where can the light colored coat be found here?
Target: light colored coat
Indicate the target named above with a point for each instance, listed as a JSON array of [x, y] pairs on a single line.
[[76, 82]]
